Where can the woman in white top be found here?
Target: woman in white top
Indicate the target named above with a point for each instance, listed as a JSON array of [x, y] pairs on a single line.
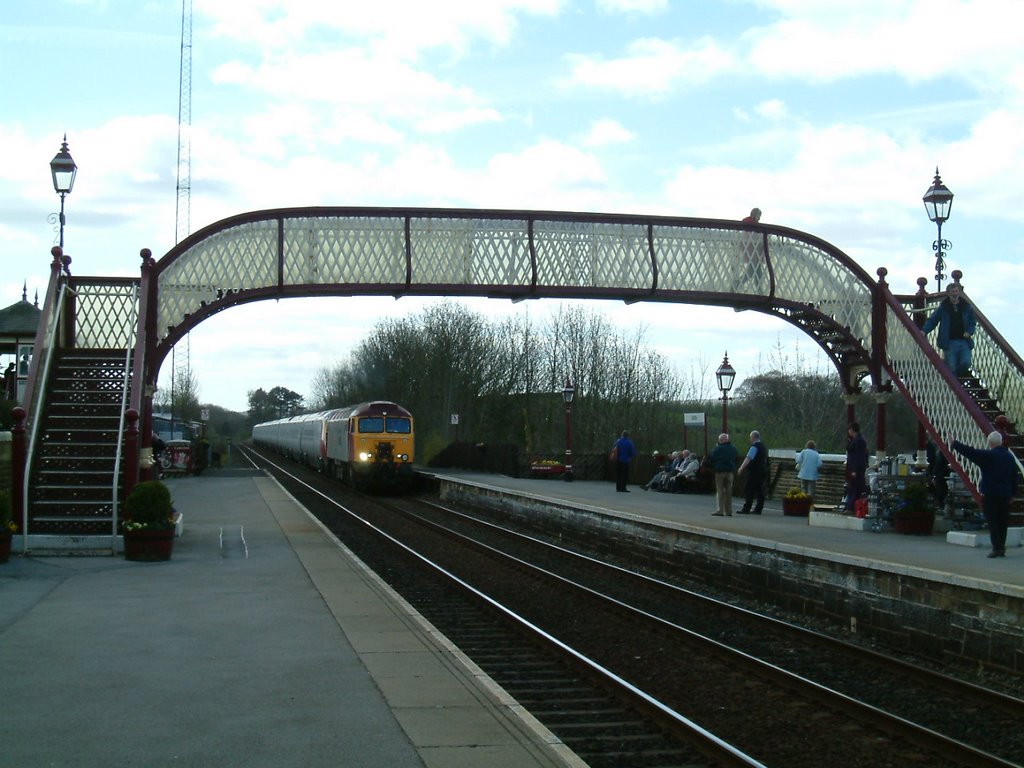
[[808, 463]]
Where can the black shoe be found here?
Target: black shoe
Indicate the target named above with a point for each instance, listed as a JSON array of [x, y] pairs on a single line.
[[997, 553], [742, 512]]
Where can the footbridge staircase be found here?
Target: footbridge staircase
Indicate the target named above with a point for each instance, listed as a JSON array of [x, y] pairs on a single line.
[[81, 435]]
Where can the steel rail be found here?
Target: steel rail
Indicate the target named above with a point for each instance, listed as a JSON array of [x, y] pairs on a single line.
[[986, 696], [704, 741], [926, 738]]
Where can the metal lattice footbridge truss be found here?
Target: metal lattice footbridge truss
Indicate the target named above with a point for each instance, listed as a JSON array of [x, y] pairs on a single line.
[[871, 335]]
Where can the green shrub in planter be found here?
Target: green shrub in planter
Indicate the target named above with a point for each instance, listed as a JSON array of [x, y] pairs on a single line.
[[148, 507]]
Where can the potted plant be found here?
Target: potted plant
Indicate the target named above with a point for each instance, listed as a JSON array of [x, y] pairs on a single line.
[[545, 467], [796, 503], [7, 525], [914, 512], [149, 522]]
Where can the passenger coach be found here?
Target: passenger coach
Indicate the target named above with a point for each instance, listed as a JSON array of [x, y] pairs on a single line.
[[366, 444]]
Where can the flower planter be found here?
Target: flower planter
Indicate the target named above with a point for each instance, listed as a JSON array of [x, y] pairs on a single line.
[[918, 523], [148, 546], [546, 470], [797, 507]]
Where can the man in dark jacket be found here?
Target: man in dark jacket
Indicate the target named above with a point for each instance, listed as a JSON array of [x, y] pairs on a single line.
[[956, 321], [998, 485], [757, 461], [722, 461], [856, 466]]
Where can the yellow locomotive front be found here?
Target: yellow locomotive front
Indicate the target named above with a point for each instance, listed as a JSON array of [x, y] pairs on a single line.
[[381, 443]]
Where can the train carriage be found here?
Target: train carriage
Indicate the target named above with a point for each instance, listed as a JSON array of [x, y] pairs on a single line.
[[371, 443]]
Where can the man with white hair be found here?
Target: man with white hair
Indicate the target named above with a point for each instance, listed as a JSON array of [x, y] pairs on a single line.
[[998, 485], [723, 462]]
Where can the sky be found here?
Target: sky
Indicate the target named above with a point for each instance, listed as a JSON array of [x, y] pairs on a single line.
[[829, 115]]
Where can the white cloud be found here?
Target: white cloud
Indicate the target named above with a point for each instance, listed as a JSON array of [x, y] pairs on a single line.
[[650, 67], [546, 174], [773, 109], [449, 122], [633, 6], [606, 131], [915, 39], [405, 26]]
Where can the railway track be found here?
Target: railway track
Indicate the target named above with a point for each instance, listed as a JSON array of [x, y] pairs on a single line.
[[690, 666]]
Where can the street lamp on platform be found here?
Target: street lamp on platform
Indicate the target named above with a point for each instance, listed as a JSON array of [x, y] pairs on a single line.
[[726, 375], [63, 170], [938, 202], [568, 392]]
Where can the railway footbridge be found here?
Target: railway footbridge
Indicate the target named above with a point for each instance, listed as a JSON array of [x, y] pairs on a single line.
[[82, 435]]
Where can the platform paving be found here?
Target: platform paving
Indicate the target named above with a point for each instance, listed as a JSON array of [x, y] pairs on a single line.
[[262, 642]]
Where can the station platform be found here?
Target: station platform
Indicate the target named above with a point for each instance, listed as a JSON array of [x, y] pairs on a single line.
[[261, 643], [930, 556]]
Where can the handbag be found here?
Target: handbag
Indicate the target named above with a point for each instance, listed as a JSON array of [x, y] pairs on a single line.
[[614, 455]]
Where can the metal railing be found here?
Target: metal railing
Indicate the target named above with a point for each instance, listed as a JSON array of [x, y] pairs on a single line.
[[46, 344], [938, 397]]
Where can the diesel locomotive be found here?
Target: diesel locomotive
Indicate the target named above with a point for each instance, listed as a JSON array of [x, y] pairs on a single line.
[[370, 444]]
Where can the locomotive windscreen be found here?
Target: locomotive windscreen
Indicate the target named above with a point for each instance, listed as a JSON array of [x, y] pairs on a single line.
[[393, 424]]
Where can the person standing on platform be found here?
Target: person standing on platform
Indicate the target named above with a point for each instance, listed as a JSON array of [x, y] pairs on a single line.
[[10, 383], [938, 472], [723, 463], [757, 460], [808, 468], [856, 466], [998, 485], [956, 321], [624, 451]]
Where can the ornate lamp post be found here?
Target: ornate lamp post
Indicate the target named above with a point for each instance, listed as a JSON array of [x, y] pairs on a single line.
[[568, 392], [938, 202], [63, 170], [726, 375]]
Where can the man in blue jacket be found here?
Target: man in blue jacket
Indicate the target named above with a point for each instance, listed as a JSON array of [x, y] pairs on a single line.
[[956, 321], [624, 453], [998, 485]]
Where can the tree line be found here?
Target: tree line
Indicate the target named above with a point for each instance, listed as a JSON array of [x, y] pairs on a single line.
[[503, 380]]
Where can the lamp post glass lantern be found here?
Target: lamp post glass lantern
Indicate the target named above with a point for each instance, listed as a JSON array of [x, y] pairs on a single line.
[[726, 375], [938, 204], [568, 392], [63, 170]]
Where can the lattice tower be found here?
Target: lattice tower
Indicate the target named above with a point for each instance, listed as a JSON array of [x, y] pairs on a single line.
[[180, 360]]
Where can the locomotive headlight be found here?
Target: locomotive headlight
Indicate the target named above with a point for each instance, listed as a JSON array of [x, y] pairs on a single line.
[[403, 456], [364, 456]]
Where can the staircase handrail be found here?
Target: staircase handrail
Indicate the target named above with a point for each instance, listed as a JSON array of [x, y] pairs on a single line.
[[999, 367], [120, 430], [46, 338], [48, 324], [141, 394], [936, 396]]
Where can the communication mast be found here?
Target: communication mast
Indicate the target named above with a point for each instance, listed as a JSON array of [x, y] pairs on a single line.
[[181, 370]]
